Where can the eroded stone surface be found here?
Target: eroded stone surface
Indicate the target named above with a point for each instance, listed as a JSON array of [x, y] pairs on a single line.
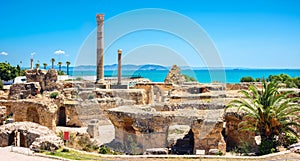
[[32, 135], [174, 76]]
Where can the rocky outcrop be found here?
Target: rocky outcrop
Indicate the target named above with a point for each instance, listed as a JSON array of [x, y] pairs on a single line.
[[29, 134], [174, 76]]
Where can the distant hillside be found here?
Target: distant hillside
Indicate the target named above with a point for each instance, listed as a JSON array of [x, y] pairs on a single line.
[[124, 67]]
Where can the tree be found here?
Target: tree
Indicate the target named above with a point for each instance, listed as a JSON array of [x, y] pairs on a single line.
[[272, 114], [68, 64], [45, 65], [59, 64], [8, 72], [37, 65], [247, 79], [52, 61]]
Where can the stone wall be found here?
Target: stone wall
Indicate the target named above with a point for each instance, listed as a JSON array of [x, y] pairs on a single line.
[[24, 90], [138, 128], [235, 137], [41, 111], [31, 135], [47, 79]]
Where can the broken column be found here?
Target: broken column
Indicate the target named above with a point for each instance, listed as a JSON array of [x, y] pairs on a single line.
[[100, 48], [119, 66], [31, 63]]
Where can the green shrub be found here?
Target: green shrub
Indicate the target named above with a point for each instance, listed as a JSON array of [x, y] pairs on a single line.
[[91, 96], [289, 139], [189, 79], [266, 147], [53, 95], [61, 73], [247, 79], [1, 85], [79, 79]]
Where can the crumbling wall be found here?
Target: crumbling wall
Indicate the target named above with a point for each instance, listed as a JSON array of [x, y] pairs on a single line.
[[174, 76], [47, 79], [233, 135], [24, 90]]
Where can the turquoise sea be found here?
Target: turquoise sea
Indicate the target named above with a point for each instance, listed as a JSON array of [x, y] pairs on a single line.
[[202, 75]]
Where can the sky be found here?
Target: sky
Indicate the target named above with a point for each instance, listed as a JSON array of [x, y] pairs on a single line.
[[233, 33]]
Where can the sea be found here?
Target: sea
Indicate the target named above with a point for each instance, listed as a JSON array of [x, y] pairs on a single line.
[[202, 75]]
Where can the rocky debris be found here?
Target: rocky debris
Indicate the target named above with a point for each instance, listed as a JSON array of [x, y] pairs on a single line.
[[295, 148], [32, 135], [24, 90], [213, 151], [47, 79], [2, 114], [156, 151], [174, 76]]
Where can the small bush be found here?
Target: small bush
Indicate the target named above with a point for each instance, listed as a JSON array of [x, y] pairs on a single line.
[[54, 95], [1, 85], [91, 96], [247, 79], [61, 73], [79, 79], [189, 79]]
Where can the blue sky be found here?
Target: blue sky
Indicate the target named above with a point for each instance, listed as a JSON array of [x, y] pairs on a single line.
[[250, 33]]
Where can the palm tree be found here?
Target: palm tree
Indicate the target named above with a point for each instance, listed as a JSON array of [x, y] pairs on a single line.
[[45, 65], [52, 61], [59, 64], [271, 114], [37, 65], [68, 64]]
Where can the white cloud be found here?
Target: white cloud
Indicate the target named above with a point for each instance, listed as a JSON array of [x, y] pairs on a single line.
[[59, 52], [3, 53], [33, 53]]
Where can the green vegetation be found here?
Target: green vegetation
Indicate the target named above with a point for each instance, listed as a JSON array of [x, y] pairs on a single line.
[[73, 155], [1, 85], [45, 65], [68, 64], [53, 95], [60, 72], [79, 79], [247, 79], [59, 65], [189, 79], [271, 114], [285, 79], [9, 72], [52, 62]]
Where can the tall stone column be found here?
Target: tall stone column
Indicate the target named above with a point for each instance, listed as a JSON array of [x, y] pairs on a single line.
[[100, 48], [31, 63], [119, 66]]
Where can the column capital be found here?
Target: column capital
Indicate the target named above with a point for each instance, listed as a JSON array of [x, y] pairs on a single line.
[[100, 17]]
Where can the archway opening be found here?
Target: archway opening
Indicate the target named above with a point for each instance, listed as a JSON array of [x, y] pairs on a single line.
[[181, 139], [32, 115], [61, 117]]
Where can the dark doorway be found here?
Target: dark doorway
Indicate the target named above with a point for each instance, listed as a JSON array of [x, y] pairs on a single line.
[[61, 117], [32, 115], [22, 140], [185, 145]]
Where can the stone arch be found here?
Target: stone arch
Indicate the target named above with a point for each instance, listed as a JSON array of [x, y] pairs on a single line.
[[180, 139], [61, 117], [32, 115]]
